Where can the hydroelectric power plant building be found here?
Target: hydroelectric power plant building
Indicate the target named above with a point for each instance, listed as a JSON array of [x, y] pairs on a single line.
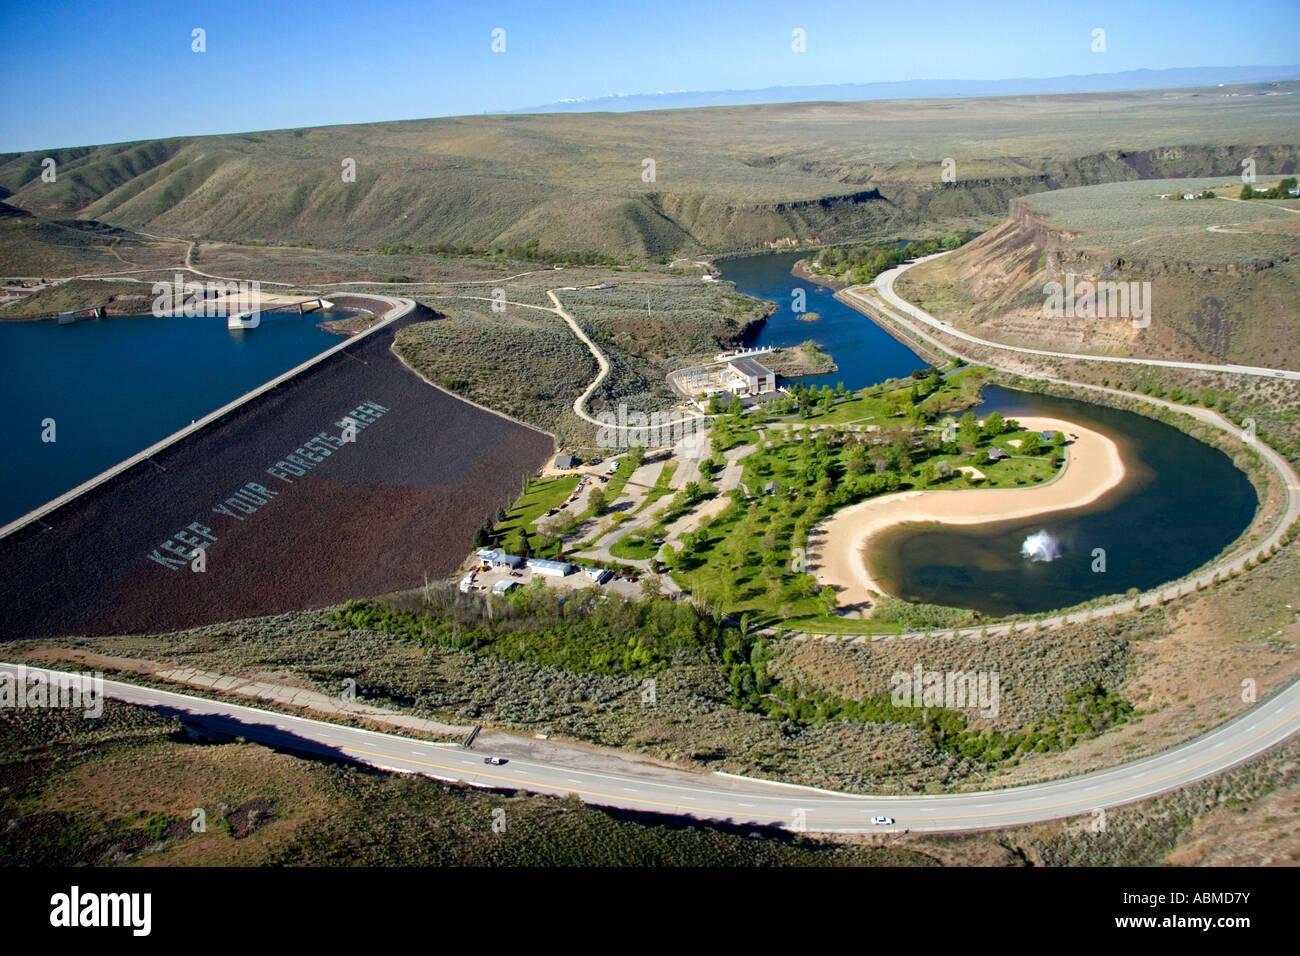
[[739, 375]]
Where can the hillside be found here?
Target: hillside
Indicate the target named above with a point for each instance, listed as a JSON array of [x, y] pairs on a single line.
[[726, 178], [1224, 274]]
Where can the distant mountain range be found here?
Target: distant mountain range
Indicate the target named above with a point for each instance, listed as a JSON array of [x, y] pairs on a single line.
[[925, 89]]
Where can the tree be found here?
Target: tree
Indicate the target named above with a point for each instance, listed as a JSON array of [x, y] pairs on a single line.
[[994, 424], [827, 596], [483, 534], [968, 428], [525, 548], [1030, 444], [670, 557], [596, 501], [734, 407], [635, 457]]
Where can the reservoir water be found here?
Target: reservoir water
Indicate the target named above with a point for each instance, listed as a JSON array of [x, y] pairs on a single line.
[[1181, 502], [115, 386], [865, 353]]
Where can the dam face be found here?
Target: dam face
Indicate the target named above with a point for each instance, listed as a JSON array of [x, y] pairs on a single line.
[[353, 478]]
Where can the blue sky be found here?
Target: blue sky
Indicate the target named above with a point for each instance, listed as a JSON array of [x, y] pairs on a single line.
[[84, 73]]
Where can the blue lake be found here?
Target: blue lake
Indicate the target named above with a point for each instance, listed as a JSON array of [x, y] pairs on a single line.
[[115, 386]]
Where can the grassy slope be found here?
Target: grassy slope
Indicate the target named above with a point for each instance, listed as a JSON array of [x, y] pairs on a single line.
[[726, 178], [529, 364]]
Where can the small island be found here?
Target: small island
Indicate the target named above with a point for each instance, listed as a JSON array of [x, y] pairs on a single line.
[[806, 358]]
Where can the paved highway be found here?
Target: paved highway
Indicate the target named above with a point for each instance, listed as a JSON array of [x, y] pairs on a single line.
[[605, 779]]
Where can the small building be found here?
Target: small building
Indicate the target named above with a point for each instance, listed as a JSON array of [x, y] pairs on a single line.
[[504, 586], [997, 454], [599, 575], [771, 488], [467, 582], [1047, 436], [747, 376], [495, 558], [557, 569], [567, 461]]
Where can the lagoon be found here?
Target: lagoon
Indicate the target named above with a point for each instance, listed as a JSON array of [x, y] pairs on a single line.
[[1180, 504]]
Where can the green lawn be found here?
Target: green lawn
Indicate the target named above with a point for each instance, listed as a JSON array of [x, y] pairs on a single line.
[[542, 495], [636, 545], [614, 488], [659, 488], [874, 406], [749, 559]]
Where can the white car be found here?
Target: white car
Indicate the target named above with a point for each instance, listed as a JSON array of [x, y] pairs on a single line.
[[882, 821]]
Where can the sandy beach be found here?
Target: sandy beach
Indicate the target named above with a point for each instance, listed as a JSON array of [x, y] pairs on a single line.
[[1093, 466]]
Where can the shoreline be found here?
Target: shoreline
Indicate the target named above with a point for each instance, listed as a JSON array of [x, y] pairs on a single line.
[[1093, 466], [800, 270]]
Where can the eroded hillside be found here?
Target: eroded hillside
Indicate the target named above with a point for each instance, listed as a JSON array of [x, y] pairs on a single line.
[[1223, 274]]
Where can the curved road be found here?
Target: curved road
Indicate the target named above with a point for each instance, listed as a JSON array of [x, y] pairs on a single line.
[[884, 284], [602, 363], [605, 779]]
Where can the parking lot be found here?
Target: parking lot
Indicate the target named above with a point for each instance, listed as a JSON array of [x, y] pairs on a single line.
[[485, 580]]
